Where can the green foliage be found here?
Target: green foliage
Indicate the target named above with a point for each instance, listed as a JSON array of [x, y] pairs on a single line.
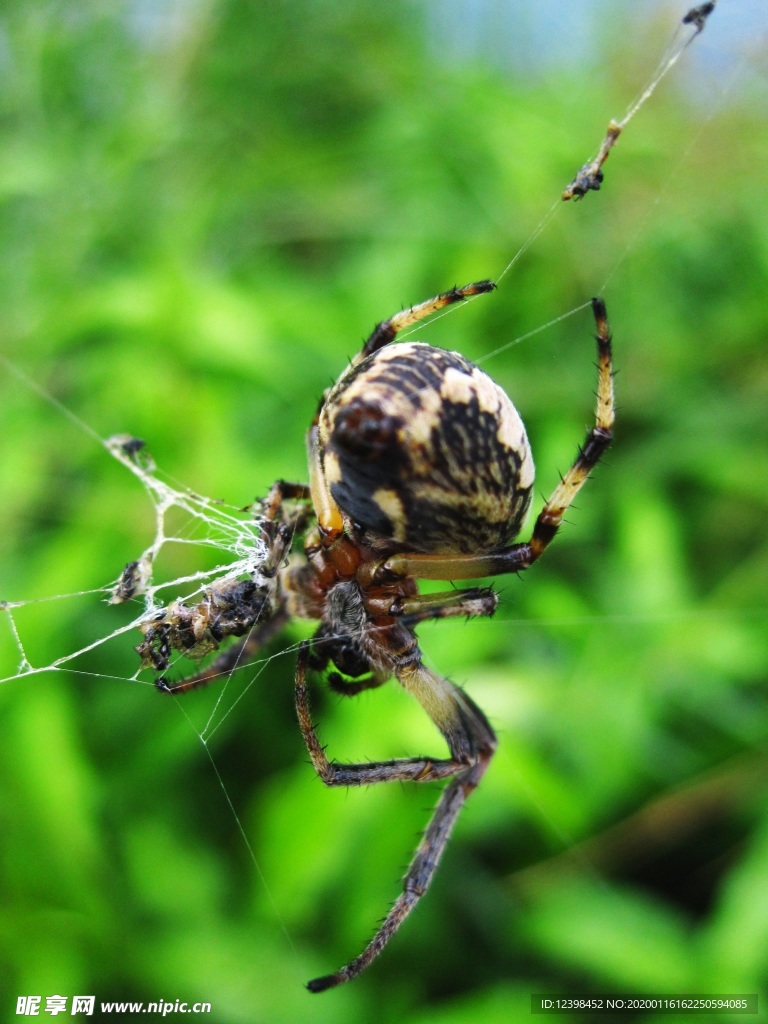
[[204, 212]]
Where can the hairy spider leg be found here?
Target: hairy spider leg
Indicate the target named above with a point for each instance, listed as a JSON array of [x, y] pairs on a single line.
[[387, 330], [469, 602], [351, 688], [279, 533], [471, 742], [520, 556]]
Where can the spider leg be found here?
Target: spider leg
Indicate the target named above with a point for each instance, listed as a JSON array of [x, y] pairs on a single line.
[[419, 875], [520, 556], [471, 602], [350, 688], [280, 525], [278, 493], [386, 331], [471, 742], [407, 769]]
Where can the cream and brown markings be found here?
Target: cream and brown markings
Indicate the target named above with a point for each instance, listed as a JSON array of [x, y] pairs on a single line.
[[420, 446]]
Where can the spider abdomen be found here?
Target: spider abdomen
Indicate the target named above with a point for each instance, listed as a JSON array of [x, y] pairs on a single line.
[[420, 446]]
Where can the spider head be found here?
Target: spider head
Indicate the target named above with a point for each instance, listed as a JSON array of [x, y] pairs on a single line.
[[422, 448]]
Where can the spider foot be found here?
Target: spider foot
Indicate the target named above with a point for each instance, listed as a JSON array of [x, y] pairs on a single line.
[[327, 981]]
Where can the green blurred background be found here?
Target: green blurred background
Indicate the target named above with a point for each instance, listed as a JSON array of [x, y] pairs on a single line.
[[205, 208]]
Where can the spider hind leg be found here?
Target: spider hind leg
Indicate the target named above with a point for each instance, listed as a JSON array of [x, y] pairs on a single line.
[[471, 743]]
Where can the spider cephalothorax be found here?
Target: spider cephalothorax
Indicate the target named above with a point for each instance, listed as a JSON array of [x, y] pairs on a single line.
[[419, 467]]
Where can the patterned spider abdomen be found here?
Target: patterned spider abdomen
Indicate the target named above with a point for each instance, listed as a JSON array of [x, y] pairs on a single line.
[[419, 446]]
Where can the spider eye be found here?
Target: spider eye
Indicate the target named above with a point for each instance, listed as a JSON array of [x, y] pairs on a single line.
[[423, 448]]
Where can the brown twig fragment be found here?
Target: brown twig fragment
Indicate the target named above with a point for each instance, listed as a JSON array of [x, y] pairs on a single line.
[[590, 176]]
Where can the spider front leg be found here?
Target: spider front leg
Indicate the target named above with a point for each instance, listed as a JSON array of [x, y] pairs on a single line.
[[279, 525], [471, 743], [387, 330], [470, 603]]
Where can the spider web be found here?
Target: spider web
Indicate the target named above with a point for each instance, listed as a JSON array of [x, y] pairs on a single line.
[[226, 540]]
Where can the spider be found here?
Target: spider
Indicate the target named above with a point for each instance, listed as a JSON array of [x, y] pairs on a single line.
[[419, 468]]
